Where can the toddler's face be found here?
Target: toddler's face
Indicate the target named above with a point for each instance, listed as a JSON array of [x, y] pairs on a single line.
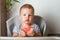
[[26, 15]]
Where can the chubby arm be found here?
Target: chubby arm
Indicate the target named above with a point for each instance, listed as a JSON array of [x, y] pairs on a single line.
[[15, 35], [15, 31], [18, 32], [22, 34], [37, 31], [38, 34]]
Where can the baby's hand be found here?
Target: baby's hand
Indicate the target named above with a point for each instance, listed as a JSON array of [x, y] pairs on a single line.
[[31, 33], [22, 34]]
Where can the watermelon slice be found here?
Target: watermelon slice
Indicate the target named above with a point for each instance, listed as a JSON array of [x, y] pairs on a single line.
[[27, 29]]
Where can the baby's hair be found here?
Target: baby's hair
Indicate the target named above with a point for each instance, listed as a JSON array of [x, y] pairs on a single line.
[[27, 6]]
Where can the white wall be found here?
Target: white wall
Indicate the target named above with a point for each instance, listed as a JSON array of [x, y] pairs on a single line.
[[48, 9]]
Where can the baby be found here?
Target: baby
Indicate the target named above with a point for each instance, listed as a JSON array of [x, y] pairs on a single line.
[[27, 28]]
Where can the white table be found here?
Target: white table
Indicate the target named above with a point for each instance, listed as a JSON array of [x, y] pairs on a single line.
[[29, 38]]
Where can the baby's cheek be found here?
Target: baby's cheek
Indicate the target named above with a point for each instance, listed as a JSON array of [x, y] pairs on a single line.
[[31, 18], [23, 19]]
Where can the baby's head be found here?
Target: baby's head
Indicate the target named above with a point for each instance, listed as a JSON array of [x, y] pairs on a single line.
[[26, 14]]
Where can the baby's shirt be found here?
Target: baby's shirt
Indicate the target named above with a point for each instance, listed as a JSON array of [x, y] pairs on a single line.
[[18, 30]]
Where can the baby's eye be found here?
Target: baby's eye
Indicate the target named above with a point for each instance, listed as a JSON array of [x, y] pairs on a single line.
[[30, 15], [24, 15]]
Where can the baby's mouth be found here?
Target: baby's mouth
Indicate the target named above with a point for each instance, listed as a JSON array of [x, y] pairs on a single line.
[[27, 20]]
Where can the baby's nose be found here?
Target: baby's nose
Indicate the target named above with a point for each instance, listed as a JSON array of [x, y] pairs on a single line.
[[27, 17]]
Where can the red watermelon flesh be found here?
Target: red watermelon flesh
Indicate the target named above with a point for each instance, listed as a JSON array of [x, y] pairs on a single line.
[[27, 29]]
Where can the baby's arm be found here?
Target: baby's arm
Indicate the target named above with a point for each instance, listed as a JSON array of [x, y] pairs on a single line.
[[37, 31], [31, 33], [18, 32], [38, 34], [15, 31], [22, 34], [15, 35]]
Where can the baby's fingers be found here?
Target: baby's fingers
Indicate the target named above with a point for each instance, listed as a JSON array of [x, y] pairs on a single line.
[[22, 34]]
